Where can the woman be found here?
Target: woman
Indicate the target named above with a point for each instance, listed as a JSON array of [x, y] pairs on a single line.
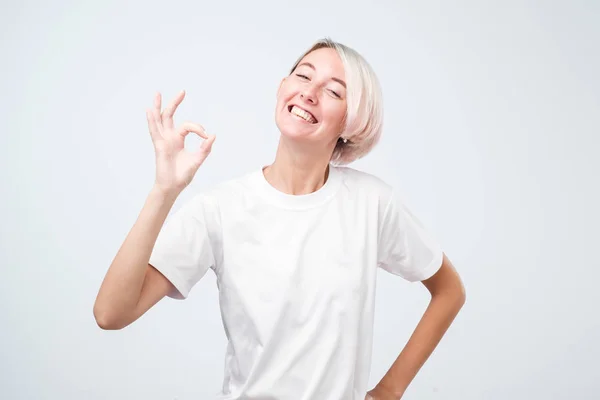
[[295, 245]]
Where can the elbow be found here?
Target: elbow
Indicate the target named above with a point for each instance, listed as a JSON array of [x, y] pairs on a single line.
[[106, 320], [462, 299], [454, 297], [459, 296], [462, 295], [459, 300]]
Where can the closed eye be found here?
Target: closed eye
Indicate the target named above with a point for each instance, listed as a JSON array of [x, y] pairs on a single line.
[[333, 92]]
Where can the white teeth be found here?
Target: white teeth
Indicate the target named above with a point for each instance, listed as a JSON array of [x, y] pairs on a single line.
[[303, 114]]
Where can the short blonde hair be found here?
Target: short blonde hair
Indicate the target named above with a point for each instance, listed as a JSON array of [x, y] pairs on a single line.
[[364, 114]]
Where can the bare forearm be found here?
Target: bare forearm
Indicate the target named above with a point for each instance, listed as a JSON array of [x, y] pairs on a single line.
[[123, 282], [436, 320]]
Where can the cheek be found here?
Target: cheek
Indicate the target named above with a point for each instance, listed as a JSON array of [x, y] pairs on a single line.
[[286, 90], [336, 113], [282, 100]]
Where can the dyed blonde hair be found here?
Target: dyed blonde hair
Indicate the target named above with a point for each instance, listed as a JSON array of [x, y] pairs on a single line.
[[364, 114]]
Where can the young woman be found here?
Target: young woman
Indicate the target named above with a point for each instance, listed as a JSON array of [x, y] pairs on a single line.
[[295, 245]]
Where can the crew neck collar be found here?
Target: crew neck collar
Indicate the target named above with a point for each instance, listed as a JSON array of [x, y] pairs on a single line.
[[303, 201]]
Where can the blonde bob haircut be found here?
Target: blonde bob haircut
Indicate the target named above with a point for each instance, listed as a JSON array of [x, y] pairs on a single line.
[[364, 114]]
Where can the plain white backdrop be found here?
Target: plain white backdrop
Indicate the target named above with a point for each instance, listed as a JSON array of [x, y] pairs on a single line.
[[492, 117]]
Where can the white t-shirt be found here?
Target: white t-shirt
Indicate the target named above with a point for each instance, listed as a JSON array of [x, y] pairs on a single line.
[[296, 277]]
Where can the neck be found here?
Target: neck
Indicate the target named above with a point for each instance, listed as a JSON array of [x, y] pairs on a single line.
[[298, 171]]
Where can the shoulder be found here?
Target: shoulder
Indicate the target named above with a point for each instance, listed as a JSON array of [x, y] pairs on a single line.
[[225, 192], [373, 192], [206, 207], [365, 183]]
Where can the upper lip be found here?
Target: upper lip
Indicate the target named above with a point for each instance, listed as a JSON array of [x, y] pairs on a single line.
[[304, 109]]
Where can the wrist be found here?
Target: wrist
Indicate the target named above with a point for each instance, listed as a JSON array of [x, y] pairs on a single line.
[[163, 194], [384, 392]]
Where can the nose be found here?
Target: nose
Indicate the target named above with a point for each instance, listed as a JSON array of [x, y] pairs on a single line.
[[308, 94]]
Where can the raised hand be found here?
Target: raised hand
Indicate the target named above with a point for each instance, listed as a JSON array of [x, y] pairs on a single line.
[[175, 167]]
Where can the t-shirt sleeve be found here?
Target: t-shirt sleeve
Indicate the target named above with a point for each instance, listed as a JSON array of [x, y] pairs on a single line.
[[406, 248], [183, 252]]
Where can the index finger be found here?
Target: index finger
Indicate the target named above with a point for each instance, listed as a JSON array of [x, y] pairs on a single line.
[[188, 127]]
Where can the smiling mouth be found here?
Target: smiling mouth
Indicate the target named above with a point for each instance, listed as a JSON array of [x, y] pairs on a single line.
[[302, 114]]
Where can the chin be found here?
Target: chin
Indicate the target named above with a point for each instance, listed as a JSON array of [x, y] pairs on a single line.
[[297, 133]]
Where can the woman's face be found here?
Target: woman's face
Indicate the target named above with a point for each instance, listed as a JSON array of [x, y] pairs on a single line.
[[311, 102]]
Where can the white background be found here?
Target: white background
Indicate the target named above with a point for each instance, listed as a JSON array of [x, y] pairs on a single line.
[[491, 132]]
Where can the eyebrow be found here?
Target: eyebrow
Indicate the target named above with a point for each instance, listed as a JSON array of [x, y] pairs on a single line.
[[338, 80]]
